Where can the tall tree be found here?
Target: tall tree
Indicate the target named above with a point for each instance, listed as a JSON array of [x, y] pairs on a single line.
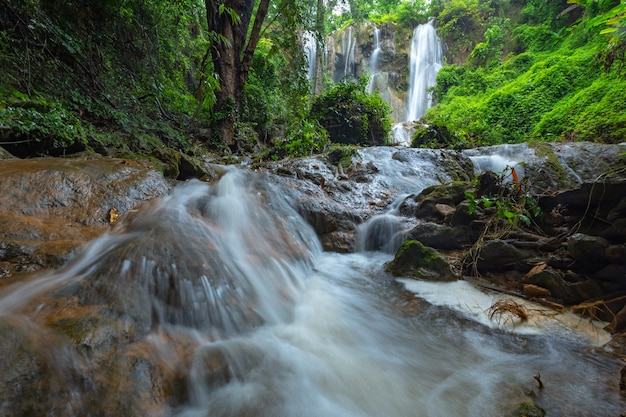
[[238, 34]]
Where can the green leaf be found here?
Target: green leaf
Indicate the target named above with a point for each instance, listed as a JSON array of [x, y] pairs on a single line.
[[608, 30]]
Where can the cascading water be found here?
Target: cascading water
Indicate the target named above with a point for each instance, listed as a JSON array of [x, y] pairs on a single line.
[[348, 43], [425, 61], [310, 51], [373, 67], [217, 301]]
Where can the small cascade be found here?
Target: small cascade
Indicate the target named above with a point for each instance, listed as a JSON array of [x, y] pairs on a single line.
[[310, 51], [374, 60], [211, 258], [348, 43], [501, 159]]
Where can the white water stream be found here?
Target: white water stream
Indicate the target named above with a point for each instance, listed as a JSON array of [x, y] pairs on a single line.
[[373, 67], [332, 334], [425, 61]]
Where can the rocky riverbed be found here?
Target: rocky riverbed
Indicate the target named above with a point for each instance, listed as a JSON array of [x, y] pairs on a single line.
[[555, 232]]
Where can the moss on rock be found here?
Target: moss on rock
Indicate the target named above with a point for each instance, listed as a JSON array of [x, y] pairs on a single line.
[[414, 259]]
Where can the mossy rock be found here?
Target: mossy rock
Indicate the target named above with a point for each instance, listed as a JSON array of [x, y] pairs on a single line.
[[170, 161], [342, 155], [528, 410], [451, 194], [414, 259]]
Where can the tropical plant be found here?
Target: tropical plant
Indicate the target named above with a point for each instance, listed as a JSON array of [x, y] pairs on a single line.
[[512, 205]]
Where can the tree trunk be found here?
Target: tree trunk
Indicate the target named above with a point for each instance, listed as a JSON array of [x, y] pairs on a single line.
[[318, 68], [232, 57]]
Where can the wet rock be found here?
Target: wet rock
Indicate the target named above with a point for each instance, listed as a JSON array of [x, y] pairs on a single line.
[[612, 274], [617, 212], [618, 324], [616, 231], [489, 184], [532, 291], [427, 205], [528, 410], [590, 249], [441, 236], [616, 253], [51, 206], [335, 223], [463, 215], [149, 377], [4, 154], [552, 281], [37, 373], [413, 259], [499, 255]]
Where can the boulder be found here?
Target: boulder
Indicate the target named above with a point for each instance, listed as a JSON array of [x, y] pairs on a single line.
[[434, 202], [51, 206], [440, 236], [498, 256], [586, 248], [415, 260]]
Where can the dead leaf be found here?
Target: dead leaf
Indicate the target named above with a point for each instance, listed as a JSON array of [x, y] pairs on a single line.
[[535, 270], [113, 214]]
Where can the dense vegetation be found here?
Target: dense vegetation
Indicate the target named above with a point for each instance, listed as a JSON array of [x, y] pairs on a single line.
[[135, 76], [546, 71]]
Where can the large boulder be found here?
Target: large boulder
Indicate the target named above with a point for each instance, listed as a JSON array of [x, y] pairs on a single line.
[[51, 206]]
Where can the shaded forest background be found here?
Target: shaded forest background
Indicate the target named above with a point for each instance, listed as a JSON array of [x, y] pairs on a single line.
[[135, 77]]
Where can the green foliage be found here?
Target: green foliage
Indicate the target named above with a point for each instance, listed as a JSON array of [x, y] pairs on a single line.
[[613, 24], [512, 205], [106, 66], [462, 22], [303, 138], [596, 113], [433, 137], [552, 90], [351, 115], [39, 120], [404, 15], [492, 48], [342, 154]]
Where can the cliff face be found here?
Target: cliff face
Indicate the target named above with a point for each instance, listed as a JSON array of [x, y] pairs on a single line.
[[352, 53], [401, 63]]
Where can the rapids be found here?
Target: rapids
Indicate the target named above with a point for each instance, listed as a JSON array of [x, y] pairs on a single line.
[[218, 301]]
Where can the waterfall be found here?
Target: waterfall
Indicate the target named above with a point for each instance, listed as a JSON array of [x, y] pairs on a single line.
[[310, 51], [348, 43], [425, 61], [374, 60]]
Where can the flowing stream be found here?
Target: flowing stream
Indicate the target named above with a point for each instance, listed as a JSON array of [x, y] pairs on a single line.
[[232, 269]]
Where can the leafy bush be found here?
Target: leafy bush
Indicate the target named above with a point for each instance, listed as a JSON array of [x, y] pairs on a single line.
[[36, 120], [303, 138], [350, 115]]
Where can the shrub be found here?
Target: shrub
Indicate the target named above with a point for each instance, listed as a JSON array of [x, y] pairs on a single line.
[[352, 116]]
